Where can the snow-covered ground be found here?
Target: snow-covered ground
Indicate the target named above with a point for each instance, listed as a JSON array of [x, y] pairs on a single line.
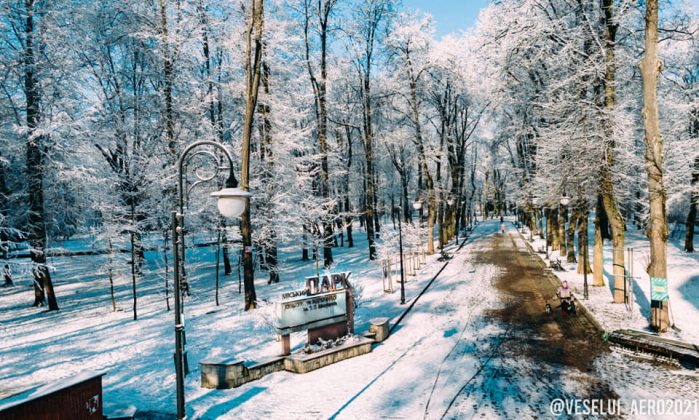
[[39, 346], [683, 286], [448, 343]]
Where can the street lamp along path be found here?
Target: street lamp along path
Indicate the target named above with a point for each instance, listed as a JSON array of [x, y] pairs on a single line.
[[231, 201], [231, 204]]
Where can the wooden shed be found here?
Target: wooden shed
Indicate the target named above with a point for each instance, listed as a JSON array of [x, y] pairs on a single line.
[[74, 398]]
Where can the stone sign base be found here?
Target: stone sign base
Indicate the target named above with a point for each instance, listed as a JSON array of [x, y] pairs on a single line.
[[327, 332], [224, 374], [303, 363]]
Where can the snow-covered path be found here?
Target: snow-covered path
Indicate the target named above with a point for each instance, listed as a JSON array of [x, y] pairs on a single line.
[[476, 344], [400, 375]]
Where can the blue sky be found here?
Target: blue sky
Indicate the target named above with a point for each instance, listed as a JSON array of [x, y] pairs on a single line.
[[449, 15], [453, 15]]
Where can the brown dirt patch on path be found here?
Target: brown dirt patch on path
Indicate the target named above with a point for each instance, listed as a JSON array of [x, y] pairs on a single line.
[[563, 342]]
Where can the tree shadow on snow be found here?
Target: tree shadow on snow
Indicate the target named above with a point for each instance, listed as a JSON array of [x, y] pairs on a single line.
[[690, 291], [225, 407], [641, 300]]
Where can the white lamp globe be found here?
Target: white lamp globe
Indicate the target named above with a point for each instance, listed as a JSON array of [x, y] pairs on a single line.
[[417, 205], [450, 201], [565, 200], [231, 201]]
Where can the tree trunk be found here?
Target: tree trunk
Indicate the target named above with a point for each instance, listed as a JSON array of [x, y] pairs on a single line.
[[369, 209], [347, 204], [562, 216], [650, 70], [215, 117], [555, 230], [134, 256], [423, 168], [35, 165], [570, 236], [583, 262], [39, 295], [253, 60], [431, 210], [166, 237], [319, 91], [440, 221], [348, 221], [168, 82], [691, 219], [267, 155], [272, 263], [606, 184], [304, 250], [694, 200], [404, 197], [617, 224], [369, 201], [227, 269], [598, 250], [110, 275], [378, 211], [486, 193], [549, 226]]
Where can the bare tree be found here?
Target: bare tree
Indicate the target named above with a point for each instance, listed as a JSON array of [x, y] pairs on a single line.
[[35, 158], [253, 63], [323, 10], [650, 70]]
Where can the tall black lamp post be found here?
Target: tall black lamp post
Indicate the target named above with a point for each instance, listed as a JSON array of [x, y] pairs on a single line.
[[547, 212], [400, 249], [586, 293], [231, 204]]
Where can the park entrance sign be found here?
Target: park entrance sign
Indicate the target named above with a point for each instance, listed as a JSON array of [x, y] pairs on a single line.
[[306, 312], [325, 308]]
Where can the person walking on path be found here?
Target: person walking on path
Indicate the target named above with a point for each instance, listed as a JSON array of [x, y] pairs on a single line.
[[502, 228], [7, 274]]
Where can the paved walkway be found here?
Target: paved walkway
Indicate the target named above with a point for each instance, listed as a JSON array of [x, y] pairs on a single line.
[[544, 357]]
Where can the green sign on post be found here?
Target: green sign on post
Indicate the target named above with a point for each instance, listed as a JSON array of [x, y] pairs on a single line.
[[658, 289]]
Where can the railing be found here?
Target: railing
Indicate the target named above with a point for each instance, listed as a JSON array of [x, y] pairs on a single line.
[[629, 281], [413, 259]]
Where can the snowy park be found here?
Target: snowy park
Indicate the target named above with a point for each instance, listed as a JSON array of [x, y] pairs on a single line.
[[341, 209]]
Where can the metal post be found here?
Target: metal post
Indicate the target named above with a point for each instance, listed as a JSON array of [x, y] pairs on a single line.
[[546, 226], [179, 327], [178, 251], [400, 249], [586, 293]]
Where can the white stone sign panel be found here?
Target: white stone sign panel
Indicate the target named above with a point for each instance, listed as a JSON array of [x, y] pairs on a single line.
[[299, 313]]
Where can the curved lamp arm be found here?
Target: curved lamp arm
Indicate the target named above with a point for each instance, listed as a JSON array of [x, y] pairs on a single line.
[[231, 182]]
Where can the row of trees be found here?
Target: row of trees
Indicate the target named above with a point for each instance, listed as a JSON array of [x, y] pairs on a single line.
[[341, 111], [581, 114], [336, 110]]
